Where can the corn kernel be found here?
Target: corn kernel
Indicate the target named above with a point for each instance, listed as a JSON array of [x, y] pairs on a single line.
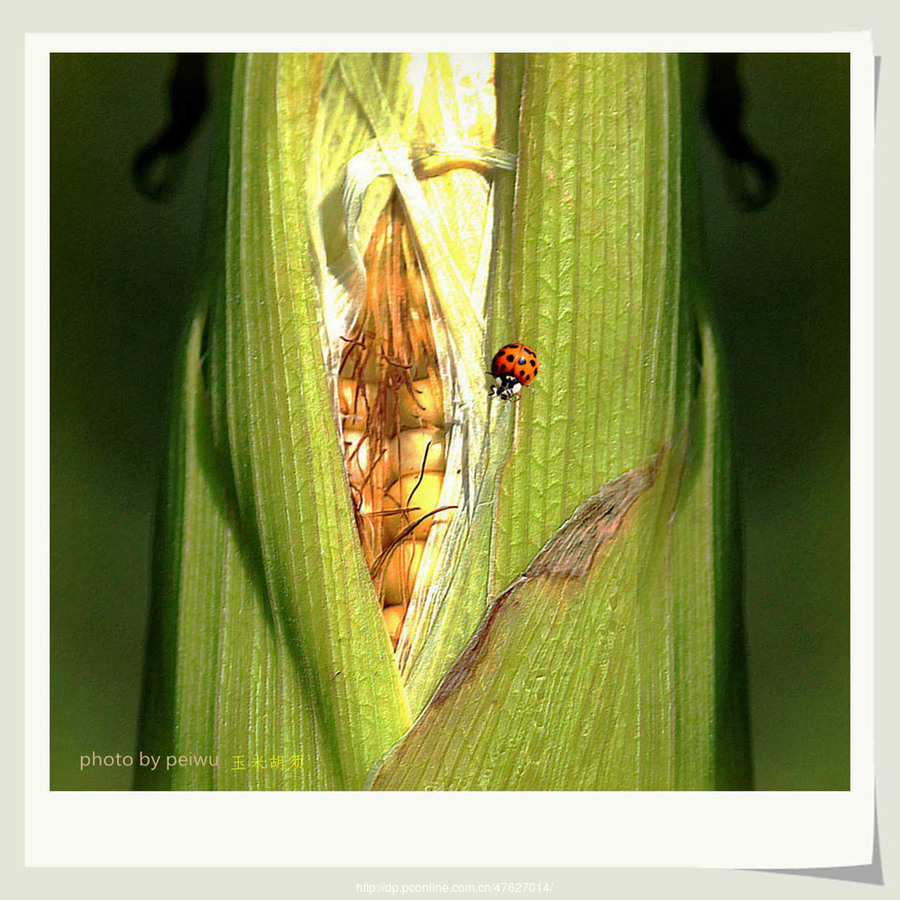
[[400, 572]]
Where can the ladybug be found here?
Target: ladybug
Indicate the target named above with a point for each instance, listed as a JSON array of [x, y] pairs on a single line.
[[512, 366]]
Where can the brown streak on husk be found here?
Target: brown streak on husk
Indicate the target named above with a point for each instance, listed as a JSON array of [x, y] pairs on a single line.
[[570, 553], [473, 651]]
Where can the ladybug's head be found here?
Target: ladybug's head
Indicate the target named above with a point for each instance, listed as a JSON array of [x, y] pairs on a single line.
[[506, 387]]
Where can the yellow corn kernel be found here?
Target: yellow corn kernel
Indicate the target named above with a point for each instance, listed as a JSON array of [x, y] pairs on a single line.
[[428, 406], [411, 448], [393, 620], [356, 453], [353, 405], [400, 572], [403, 494]]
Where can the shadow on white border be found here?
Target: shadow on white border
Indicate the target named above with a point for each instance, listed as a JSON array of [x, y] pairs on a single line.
[[869, 874]]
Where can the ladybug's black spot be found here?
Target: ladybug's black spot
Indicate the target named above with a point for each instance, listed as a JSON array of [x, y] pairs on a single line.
[[527, 377], [521, 360], [510, 358], [531, 361]]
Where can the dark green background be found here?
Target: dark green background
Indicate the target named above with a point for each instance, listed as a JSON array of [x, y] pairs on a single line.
[[121, 269]]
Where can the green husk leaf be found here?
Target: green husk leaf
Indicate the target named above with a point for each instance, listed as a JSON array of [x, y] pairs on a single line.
[[610, 676], [281, 648]]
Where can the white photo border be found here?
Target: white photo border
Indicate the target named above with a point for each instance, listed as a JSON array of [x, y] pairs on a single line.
[[549, 829]]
